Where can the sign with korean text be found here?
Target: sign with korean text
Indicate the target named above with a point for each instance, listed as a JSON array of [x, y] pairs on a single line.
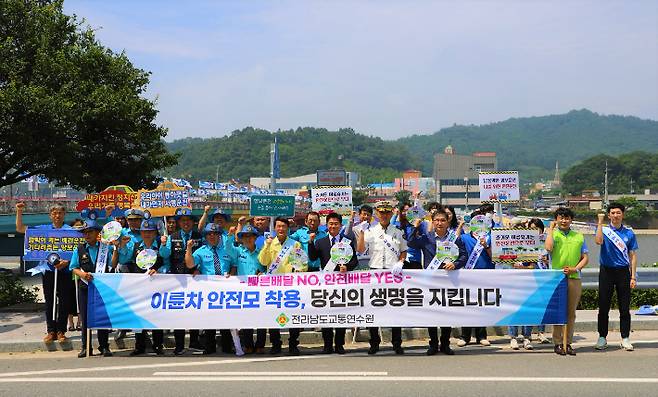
[[328, 299], [499, 187], [515, 245], [271, 205], [332, 177], [39, 244], [332, 199], [121, 197], [164, 200]]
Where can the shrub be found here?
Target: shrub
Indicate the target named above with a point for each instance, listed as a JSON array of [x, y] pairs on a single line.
[[12, 291]]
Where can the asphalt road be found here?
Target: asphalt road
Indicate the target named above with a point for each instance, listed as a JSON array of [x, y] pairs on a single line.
[[473, 371]]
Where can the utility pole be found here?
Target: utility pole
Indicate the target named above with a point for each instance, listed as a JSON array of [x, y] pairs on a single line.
[[605, 186]]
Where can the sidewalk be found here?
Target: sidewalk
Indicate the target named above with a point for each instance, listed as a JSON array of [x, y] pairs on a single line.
[[23, 332]]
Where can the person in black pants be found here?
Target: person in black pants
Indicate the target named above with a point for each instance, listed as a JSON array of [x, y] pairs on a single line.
[[322, 249], [83, 264]]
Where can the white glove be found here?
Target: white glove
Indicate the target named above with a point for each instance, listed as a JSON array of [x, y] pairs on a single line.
[[397, 268]]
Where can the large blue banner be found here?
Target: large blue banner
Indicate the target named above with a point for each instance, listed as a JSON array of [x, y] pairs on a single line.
[[325, 299]]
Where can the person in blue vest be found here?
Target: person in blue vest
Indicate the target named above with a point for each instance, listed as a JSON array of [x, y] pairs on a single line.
[[128, 258], [302, 235], [173, 251], [618, 272], [483, 262], [426, 241], [55, 327], [244, 262], [83, 264], [211, 259], [134, 217]]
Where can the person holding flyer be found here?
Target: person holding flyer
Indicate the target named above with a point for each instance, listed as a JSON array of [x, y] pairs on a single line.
[[568, 253], [618, 272], [429, 243]]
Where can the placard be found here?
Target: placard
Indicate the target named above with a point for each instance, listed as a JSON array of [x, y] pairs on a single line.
[[515, 245], [332, 199], [499, 187], [39, 244], [271, 205], [164, 200]]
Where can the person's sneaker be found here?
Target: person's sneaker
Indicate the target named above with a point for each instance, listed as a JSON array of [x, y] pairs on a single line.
[[178, 352], [61, 337], [626, 345], [513, 344], [485, 342], [558, 349], [373, 349], [447, 351], [461, 343], [83, 353], [527, 345], [432, 350], [542, 338], [601, 344], [196, 347], [398, 350], [50, 337], [106, 352], [570, 351]]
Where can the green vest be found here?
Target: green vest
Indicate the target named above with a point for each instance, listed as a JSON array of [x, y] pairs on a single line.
[[566, 250]]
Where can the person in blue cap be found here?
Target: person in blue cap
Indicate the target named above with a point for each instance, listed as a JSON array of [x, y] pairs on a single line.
[[211, 259], [244, 262], [174, 248], [83, 264], [134, 217], [217, 217], [128, 258]]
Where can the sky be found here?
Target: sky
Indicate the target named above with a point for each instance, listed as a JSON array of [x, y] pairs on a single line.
[[384, 68]]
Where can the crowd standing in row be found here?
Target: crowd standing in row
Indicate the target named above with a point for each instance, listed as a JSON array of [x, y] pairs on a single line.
[[392, 242]]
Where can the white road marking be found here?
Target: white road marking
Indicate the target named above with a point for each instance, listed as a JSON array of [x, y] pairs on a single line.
[[252, 379], [280, 373], [154, 365]]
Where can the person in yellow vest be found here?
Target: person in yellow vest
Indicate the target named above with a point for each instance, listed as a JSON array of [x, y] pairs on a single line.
[[568, 253]]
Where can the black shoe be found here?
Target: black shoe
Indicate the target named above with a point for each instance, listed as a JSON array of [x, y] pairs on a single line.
[[447, 351], [159, 351], [293, 351], [432, 351], [373, 349], [276, 349], [570, 351], [327, 350], [398, 350], [559, 350], [105, 352], [137, 352], [196, 347], [179, 352], [339, 350], [83, 353]]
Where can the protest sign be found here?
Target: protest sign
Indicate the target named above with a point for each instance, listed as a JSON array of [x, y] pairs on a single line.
[[499, 186], [515, 245], [164, 200], [329, 299], [93, 205], [39, 244], [271, 205], [332, 199]]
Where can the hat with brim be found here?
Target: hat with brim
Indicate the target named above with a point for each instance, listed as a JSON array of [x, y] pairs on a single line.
[[646, 310], [220, 213], [248, 230], [148, 224], [212, 228], [90, 225], [134, 213], [181, 212], [384, 206]]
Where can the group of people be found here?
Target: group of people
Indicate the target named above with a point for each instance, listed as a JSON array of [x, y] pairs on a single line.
[[206, 246]]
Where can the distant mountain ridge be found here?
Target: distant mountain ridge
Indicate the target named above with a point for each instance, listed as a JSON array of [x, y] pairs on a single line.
[[530, 145]]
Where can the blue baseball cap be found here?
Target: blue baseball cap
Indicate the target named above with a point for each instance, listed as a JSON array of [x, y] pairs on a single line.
[[90, 224], [248, 229], [212, 228], [181, 212], [148, 224], [221, 213], [134, 213]]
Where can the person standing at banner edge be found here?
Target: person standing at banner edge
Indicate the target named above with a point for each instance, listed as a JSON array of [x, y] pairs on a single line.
[[83, 264], [312, 222], [618, 272], [319, 248], [52, 275], [427, 243], [128, 257], [211, 259], [388, 250], [569, 253], [275, 256]]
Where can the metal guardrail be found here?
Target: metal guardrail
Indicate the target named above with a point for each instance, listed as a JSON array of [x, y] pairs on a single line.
[[647, 277]]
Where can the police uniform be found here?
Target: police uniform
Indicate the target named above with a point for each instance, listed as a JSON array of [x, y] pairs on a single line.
[[84, 258]]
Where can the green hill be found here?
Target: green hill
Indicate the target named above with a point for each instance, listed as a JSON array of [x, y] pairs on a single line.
[[530, 145]]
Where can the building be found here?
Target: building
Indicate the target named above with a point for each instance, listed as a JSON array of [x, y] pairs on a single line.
[[298, 183], [456, 176]]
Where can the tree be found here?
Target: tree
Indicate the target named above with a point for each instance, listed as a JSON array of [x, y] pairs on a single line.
[[359, 196], [403, 196], [70, 109]]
